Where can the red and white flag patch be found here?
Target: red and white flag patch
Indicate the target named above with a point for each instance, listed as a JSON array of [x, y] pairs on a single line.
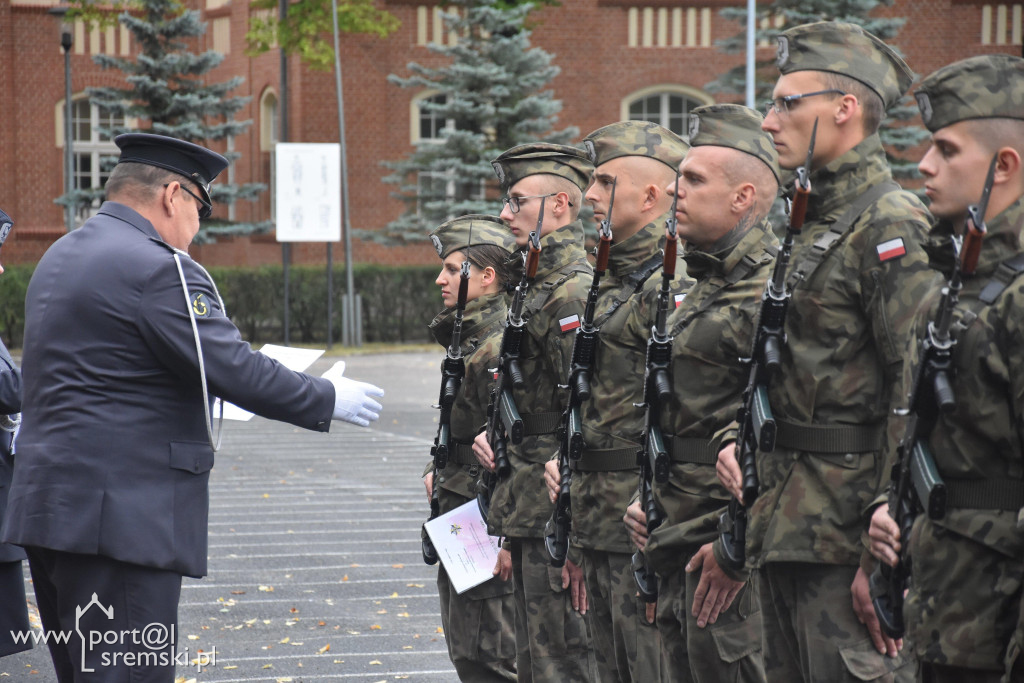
[[894, 248], [569, 323], [679, 298]]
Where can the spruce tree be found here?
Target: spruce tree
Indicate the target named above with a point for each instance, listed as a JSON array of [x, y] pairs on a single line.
[[490, 96], [167, 91], [783, 14]]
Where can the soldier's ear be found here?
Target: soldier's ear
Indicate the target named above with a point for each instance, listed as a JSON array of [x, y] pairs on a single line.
[[487, 276], [744, 197], [1008, 165]]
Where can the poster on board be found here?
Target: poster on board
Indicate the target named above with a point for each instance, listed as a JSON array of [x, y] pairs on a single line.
[[308, 191]]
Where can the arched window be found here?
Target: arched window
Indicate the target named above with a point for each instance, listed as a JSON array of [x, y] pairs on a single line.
[[269, 124], [668, 106]]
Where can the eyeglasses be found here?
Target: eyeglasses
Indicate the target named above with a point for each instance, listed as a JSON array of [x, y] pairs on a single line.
[[781, 104], [514, 203], [205, 207]]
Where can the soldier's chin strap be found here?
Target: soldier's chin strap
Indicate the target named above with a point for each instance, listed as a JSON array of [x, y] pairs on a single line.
[[207, 412]]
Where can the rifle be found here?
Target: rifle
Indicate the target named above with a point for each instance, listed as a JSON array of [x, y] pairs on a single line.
[[504, 423], [453, 370], [584, 347], [652, 458], [916, 485], [756, 424]]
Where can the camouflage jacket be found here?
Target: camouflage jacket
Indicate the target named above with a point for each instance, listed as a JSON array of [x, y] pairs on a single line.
[[848, 327], [520, 506], [712, 328], [482, 325], [967, 567], [611, 420]]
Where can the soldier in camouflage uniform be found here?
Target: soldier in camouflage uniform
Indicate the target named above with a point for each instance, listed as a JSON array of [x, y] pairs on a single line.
[[858, 270], [552, 638], [710, 622], [640, 158], [479, 624], [967, 567]]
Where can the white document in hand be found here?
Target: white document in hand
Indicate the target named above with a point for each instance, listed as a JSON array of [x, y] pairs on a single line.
[[290, 357], [466, 550]]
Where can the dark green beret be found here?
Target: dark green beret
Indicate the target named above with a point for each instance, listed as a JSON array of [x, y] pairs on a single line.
[[469, 231], [542, 157], [735, 126], [635, 138], [982, 87], [847, 50]]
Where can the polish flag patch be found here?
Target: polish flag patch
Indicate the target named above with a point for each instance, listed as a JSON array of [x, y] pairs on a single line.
[[679, 299], [892, 249], [570, 323]]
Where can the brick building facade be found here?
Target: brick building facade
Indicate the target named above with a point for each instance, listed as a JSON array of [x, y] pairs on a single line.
[[616, 57]]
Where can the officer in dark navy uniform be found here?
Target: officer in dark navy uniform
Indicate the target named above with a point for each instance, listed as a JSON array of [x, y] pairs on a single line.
[[126, 343], [13, 609]]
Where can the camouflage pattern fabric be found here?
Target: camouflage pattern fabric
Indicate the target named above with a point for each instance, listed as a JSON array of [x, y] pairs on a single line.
[[736, 127], [626, 646], [479, 625], [982, 87], [536, 158], [707, 385], [809, 636], [552, 640], [726, 651], [610, 418], [635, 138], [520, 506], [848, 328], [847, 50], [968, 567], [471, 230]]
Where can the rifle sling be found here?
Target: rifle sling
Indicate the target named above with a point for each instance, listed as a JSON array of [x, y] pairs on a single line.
[[630, 285], [829, 439], [837, 232], [1005, 274], [606, 460], [691, 450], [546, 289], [985, 494]]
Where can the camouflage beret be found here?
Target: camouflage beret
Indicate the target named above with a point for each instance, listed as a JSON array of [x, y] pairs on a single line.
[[982, 87], [847, 50], [635, 139], [469, 231], [542, 157], [735, 126]]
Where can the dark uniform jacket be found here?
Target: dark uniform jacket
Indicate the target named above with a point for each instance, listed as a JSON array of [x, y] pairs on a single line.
[[113, 455], [10, 403]]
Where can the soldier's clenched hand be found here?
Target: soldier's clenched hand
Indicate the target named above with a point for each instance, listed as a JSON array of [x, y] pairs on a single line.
[[553, 478], [728, 471], [482, 451], [885, 536], [635, 520]]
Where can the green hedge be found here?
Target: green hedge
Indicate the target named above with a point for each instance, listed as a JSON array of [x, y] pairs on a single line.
[[397, 302]]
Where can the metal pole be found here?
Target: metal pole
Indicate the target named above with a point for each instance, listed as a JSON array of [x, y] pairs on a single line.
[[66, 42], [286, 247], [354, 340], [751, 51]]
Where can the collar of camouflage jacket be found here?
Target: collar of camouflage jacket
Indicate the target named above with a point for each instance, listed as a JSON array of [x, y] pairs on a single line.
[[480, 314], [838, 183], [626, 256], [560, 248], [759, 244], [1003, 239]]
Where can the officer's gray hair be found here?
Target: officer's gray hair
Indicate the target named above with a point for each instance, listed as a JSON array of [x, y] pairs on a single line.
[[139, 182]]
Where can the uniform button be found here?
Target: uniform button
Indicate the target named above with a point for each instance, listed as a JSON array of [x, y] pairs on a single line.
[[441, 478], [848, 457], [195, 468]]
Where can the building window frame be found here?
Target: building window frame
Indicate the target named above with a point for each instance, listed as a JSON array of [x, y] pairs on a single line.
[[665, 92]]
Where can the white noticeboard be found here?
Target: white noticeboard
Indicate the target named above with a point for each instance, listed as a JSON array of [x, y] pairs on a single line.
[[308, 194]]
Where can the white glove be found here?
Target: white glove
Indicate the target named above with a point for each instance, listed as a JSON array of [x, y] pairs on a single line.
[[352, 402]]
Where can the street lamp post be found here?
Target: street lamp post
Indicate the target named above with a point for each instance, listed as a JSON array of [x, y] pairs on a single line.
[[69, 171]]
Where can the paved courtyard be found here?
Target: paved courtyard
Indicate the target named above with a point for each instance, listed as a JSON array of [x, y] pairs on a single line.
[[315, 571]]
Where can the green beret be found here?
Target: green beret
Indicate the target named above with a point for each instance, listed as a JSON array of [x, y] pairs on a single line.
[[469, 231], [542, 157], [635, 139], [847, 50], [982, 87], [735, 126]]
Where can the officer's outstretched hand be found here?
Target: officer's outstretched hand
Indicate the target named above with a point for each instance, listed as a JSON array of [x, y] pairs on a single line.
[[353, 400]]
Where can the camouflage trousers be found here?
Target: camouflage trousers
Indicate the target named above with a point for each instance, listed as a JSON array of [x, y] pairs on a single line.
[[811, 632], [728, 650], [552, 639], [479, 628], [1015, 655], [938, 673], [626, 647]]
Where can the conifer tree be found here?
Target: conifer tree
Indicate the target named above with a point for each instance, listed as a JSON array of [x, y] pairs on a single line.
[[166, 90], [488, 97], [783, 14]]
